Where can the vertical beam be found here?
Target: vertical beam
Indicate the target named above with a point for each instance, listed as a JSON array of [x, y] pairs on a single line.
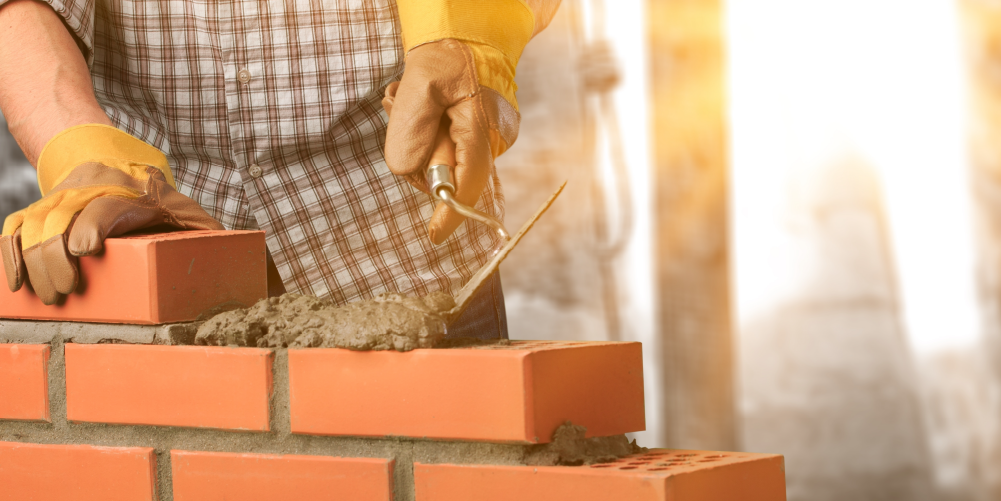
[[691, 222], [982, 32]]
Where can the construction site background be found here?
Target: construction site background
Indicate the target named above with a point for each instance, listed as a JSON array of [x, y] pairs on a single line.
[[857, 228]]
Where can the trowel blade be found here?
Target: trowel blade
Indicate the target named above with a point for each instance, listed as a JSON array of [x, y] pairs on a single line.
[[481, 275]]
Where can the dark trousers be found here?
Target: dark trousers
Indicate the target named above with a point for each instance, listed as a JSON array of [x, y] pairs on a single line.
[[485, 317]]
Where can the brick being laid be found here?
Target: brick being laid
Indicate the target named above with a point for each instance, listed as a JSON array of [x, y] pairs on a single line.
[[77, 472], [24, 383], [656, 475], [212, 476], [154, 279], [501, 393], [186, 386]]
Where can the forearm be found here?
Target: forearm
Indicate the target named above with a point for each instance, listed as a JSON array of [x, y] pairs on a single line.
[[45, 85]]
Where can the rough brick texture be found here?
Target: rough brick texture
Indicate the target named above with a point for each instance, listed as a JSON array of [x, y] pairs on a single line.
[[190, 386], [206, 476], [24, 388], [658, 475], [76, 472], [516, 393], [158, 278]]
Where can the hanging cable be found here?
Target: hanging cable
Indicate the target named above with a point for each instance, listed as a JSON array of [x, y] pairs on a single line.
[[600, 73]]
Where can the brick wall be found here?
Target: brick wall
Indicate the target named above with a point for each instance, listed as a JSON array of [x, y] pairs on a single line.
[[152, 422], [123, 411]]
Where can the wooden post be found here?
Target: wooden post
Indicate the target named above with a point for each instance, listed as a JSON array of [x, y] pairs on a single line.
[[982, 32], [691, 222]]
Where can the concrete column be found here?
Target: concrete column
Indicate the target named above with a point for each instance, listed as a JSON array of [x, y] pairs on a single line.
[[982, 30], [692, 256], [828, 379]]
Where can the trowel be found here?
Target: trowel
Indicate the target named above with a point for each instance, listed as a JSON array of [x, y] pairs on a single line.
[[439, 182]]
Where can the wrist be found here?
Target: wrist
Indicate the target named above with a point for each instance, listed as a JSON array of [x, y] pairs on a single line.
[[99, 143], [505, 25], [495, 71]]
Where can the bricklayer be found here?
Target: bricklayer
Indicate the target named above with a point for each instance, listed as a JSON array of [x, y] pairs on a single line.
[[155, 279]]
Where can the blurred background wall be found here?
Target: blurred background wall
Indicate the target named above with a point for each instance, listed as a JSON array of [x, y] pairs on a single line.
[[18, 186], [795, 205]]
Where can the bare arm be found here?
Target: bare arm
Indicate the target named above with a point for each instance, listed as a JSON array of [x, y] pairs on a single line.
[[45, 85]]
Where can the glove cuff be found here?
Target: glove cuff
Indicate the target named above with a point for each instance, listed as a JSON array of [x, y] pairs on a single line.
[[505, 25], [97, 143], [495, 71]]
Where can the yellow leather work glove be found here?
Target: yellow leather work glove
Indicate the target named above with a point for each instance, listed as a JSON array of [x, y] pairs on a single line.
[[96, 182], [460, 63]]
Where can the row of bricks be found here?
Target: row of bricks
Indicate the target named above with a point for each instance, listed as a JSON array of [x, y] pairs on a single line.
[[82, 472], [515, 393]]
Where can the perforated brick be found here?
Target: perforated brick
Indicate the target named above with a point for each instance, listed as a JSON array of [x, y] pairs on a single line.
[[657, 475]]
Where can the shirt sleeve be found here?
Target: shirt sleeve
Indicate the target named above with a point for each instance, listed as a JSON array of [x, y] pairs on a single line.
[[78, 17]]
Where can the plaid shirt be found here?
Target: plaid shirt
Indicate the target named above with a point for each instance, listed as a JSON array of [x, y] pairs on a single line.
[[270, 114]]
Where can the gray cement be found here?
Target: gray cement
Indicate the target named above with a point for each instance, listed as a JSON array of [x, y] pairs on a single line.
[[280, 440], [39, 332], [386, 322]]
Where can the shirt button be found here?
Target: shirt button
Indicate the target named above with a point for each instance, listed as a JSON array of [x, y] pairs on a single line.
[[256, 170], [243, 76]]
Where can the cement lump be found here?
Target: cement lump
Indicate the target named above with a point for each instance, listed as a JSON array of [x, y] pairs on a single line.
[[386, 322], [570, 448]]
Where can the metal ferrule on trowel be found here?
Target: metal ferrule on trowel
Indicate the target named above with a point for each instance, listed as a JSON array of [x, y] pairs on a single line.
[[440, 183]]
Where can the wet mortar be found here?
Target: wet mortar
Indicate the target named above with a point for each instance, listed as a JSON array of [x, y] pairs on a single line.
[[386, 322]]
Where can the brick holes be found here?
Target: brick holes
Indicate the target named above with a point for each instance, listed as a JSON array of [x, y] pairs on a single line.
[[724, 480], [663, 461]]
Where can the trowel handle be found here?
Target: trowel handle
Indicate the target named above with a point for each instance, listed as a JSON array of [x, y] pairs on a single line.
[[442, 184], [439, 171], [444, 148]]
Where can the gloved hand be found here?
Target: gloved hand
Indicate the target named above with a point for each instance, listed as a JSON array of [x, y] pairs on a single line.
[[460, 63], [97, 182]]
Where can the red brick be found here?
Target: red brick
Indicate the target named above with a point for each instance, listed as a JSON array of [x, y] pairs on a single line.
[[191, 386], [516, 393], [154, 279], [24, 382], [76, 472], [208, 476], [658, 475]]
